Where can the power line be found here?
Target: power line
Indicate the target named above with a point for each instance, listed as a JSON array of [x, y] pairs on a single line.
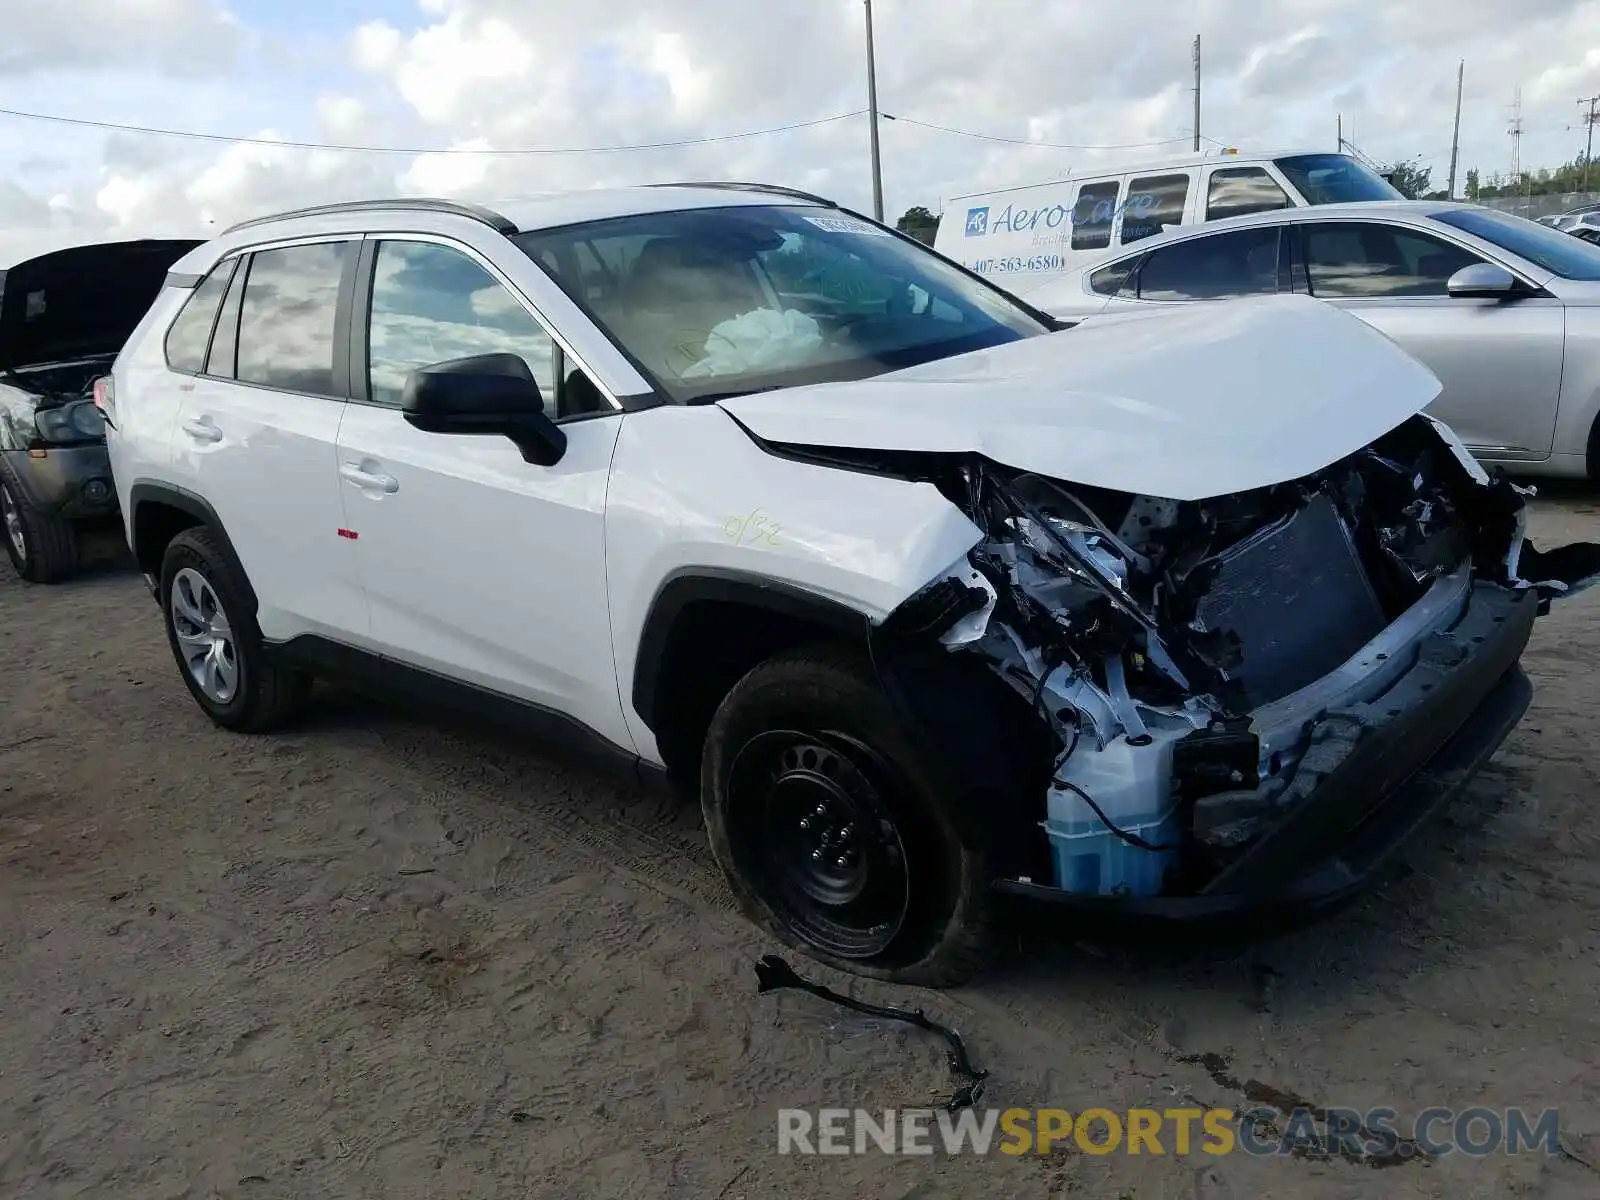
[[194, 135], [347, 148], [1016, 141]]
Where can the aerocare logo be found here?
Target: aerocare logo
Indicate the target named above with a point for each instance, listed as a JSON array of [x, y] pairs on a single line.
[[977, 222]]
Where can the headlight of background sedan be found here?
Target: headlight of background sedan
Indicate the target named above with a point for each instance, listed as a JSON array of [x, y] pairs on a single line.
[[79, 421]]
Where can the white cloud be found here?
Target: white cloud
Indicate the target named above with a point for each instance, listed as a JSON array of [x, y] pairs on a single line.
[[487, 75]]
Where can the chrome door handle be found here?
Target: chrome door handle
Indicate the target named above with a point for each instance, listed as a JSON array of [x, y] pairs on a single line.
[[373, 480], [202, 431]]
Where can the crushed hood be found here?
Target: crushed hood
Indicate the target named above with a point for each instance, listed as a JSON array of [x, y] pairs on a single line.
[[81, 301], [1185, 403]]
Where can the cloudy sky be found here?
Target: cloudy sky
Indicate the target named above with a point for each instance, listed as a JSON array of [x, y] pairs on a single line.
[[471, 75]]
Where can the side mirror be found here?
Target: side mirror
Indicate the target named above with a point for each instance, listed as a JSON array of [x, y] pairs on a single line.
[[1483, 281], [487, 393]]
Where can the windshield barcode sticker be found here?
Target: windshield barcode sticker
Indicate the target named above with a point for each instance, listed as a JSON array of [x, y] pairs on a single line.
[[846, 225]]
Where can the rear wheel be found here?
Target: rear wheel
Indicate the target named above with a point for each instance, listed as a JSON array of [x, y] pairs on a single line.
[[833, 833], [43, 548], [216, 641]]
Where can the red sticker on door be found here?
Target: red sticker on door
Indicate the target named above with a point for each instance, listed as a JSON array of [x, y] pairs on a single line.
[[349, 533]]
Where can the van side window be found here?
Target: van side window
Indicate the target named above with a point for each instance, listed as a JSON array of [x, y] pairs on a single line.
[[1111, 280], [1153, 202], [1235, 191], [1243, 262], [1092, 214]]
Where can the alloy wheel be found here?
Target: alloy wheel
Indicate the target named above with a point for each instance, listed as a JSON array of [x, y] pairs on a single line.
[[205, 636], [12, 514]]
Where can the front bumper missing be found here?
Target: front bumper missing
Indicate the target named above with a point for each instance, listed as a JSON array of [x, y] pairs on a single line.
[[72, 482], [1373, 775]]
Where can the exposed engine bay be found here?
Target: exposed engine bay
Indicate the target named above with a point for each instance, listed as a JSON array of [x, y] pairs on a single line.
[[1185, 656]]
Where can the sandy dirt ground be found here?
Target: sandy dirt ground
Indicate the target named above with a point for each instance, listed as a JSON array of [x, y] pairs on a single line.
[[377, 957]]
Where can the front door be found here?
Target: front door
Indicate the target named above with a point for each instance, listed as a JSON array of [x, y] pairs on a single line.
[[1499, 360], [477, 565]]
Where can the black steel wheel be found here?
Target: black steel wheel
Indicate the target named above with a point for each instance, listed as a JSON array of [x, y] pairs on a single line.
[[833, 833], [818, 832]]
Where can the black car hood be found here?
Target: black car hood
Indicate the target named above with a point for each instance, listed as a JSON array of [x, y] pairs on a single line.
[[82, 301]]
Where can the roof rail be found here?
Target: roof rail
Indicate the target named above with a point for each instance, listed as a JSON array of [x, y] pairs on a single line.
[[488, 217], [774, 189]]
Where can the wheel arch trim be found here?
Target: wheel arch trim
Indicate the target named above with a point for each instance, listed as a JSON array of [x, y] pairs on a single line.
[[683, 589], [172, 496]]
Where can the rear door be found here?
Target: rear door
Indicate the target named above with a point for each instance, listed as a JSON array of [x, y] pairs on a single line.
[[1500, 361], [257, 431]]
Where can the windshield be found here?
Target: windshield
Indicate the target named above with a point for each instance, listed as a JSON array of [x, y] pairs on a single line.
[[1335, 179], [1557, 252], [719, 301]]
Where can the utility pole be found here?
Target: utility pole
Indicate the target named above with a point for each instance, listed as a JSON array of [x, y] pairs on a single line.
[[1340, 118], [1588, 148], [1197, 92], [1455, 135], [1515, 130], [872, 117]]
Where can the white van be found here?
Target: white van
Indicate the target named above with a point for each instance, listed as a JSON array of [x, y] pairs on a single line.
[[1023, 236]]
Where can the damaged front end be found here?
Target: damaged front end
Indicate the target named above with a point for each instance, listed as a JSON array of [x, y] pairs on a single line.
[[1186, 705]]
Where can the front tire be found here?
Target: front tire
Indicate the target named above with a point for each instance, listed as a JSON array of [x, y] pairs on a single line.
[[43, 548], [216, 641], [834, 834]]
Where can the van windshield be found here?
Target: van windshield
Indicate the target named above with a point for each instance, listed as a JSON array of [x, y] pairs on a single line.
[[1335, 179], [719, 301]]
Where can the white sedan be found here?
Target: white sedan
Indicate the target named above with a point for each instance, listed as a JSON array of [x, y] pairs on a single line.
[[1505, 311]]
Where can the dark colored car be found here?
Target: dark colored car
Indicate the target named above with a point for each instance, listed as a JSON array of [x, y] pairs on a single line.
[[63, 318]]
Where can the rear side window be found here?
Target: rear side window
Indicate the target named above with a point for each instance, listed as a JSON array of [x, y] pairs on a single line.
[[1108, 281], [1235, 191], [1366, 260], [190, 333], [225, 341], [1092, 214], [1242, 263], [286, 317], [1153, 201]]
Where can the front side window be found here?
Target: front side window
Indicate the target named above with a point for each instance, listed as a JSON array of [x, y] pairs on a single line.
[[1092, 215], [1240, 263], [1559, 253], [1154, 202], [190, 332], [286, 317], [432, 304], [1366, 260], [1335, 179], [715, 301], [1236, 191]]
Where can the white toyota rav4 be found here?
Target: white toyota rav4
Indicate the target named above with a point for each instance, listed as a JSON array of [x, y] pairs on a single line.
[[1186, 615]]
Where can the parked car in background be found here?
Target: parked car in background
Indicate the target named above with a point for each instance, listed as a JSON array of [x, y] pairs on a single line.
[[1506, 312], [1584, 225], [1021, 235], [923, 599], [63, 317]]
